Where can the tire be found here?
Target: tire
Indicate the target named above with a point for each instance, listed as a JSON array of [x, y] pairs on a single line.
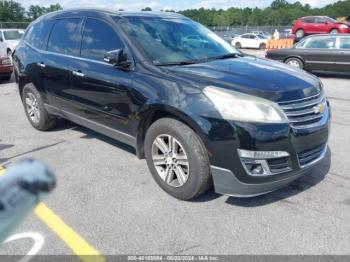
[[262, 46], [40, 120], [300, 33], [238, 45], [295, 62], [198, 178], [6, 78], [334, 31]]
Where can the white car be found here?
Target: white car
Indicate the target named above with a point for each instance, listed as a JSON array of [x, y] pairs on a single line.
[[11, 38], [263, 33], [250, 41]]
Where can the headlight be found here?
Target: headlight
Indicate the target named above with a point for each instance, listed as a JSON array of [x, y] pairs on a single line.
[[6, 61], [237, 106], [343, 27]]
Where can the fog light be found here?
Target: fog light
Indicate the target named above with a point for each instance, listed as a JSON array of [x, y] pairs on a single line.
[[255, 169], [261, 154], [255, 162]]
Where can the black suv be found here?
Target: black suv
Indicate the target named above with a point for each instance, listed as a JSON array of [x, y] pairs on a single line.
[[199, 111]]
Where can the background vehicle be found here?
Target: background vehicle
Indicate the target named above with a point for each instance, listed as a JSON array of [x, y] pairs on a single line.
[[286, 33], [11, 38], [228, 38], [318, 25], [194, 41], [200, 116], [250, 41], [317, 53], [266, 34], [6, 68]]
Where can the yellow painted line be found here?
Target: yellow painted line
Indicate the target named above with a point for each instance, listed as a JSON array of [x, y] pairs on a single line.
[[73, 240], [78, 245]]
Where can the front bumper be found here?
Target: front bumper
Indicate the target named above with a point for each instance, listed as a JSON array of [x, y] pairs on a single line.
[[230, 177], [344, 30], [226, 183]]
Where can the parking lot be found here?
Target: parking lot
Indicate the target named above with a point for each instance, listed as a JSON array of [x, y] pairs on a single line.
[[108, 197]]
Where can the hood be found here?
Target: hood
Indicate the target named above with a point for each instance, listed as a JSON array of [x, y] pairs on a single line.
[[259, 77]]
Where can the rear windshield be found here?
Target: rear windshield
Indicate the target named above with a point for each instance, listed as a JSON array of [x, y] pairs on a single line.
[[13, 34]]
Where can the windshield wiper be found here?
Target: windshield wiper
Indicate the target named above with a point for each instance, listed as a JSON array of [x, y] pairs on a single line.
[[178, 63], [226, 56], [190, 62]]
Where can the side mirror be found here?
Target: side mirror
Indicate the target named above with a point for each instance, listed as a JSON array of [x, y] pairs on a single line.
[[1, 40], [118, 58], [326, 22]]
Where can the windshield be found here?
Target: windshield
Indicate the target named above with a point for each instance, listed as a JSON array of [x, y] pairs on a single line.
[[171, 41], [13, 34]]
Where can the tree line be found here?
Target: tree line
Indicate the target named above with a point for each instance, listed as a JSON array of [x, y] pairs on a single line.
[[280, 12], [11, 11]]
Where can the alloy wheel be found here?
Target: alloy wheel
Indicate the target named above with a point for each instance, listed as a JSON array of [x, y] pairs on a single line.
[[170, 160], [32, 107], [299, 33], [293, 63]]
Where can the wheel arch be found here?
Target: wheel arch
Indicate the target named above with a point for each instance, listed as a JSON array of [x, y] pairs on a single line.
[[22, 80], [156, 113]]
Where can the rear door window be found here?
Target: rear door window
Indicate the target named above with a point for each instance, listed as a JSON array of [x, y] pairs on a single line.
[[309, 20], [37, 34], [98, 39], [321, 43], [64, 37], [320, 20], [345, 43]]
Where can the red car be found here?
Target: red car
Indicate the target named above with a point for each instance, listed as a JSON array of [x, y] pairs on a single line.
[[6, 68], [318, 25]]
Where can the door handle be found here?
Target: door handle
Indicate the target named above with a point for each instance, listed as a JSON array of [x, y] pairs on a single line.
[[78, 73], [107, 108], [41, 64]]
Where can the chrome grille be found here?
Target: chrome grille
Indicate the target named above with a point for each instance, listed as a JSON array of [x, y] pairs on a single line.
[[310, 156], [304, 112]]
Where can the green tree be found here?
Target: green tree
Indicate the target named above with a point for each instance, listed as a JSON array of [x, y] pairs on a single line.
[[11, 11]]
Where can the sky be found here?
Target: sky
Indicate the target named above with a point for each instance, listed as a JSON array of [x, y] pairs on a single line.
[[136, 5]]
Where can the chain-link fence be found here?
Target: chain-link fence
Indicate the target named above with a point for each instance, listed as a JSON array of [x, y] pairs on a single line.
[[238, 30], [20, 25]]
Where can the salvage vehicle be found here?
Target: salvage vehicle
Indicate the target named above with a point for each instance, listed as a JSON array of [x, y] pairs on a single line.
[[317, 53], [200, 115]]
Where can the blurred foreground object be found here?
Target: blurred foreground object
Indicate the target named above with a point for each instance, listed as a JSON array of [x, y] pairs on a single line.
[[22, 187]]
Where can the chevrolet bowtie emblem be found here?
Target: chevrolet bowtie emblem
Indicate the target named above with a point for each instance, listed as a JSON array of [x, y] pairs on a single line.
[[319, 109]]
